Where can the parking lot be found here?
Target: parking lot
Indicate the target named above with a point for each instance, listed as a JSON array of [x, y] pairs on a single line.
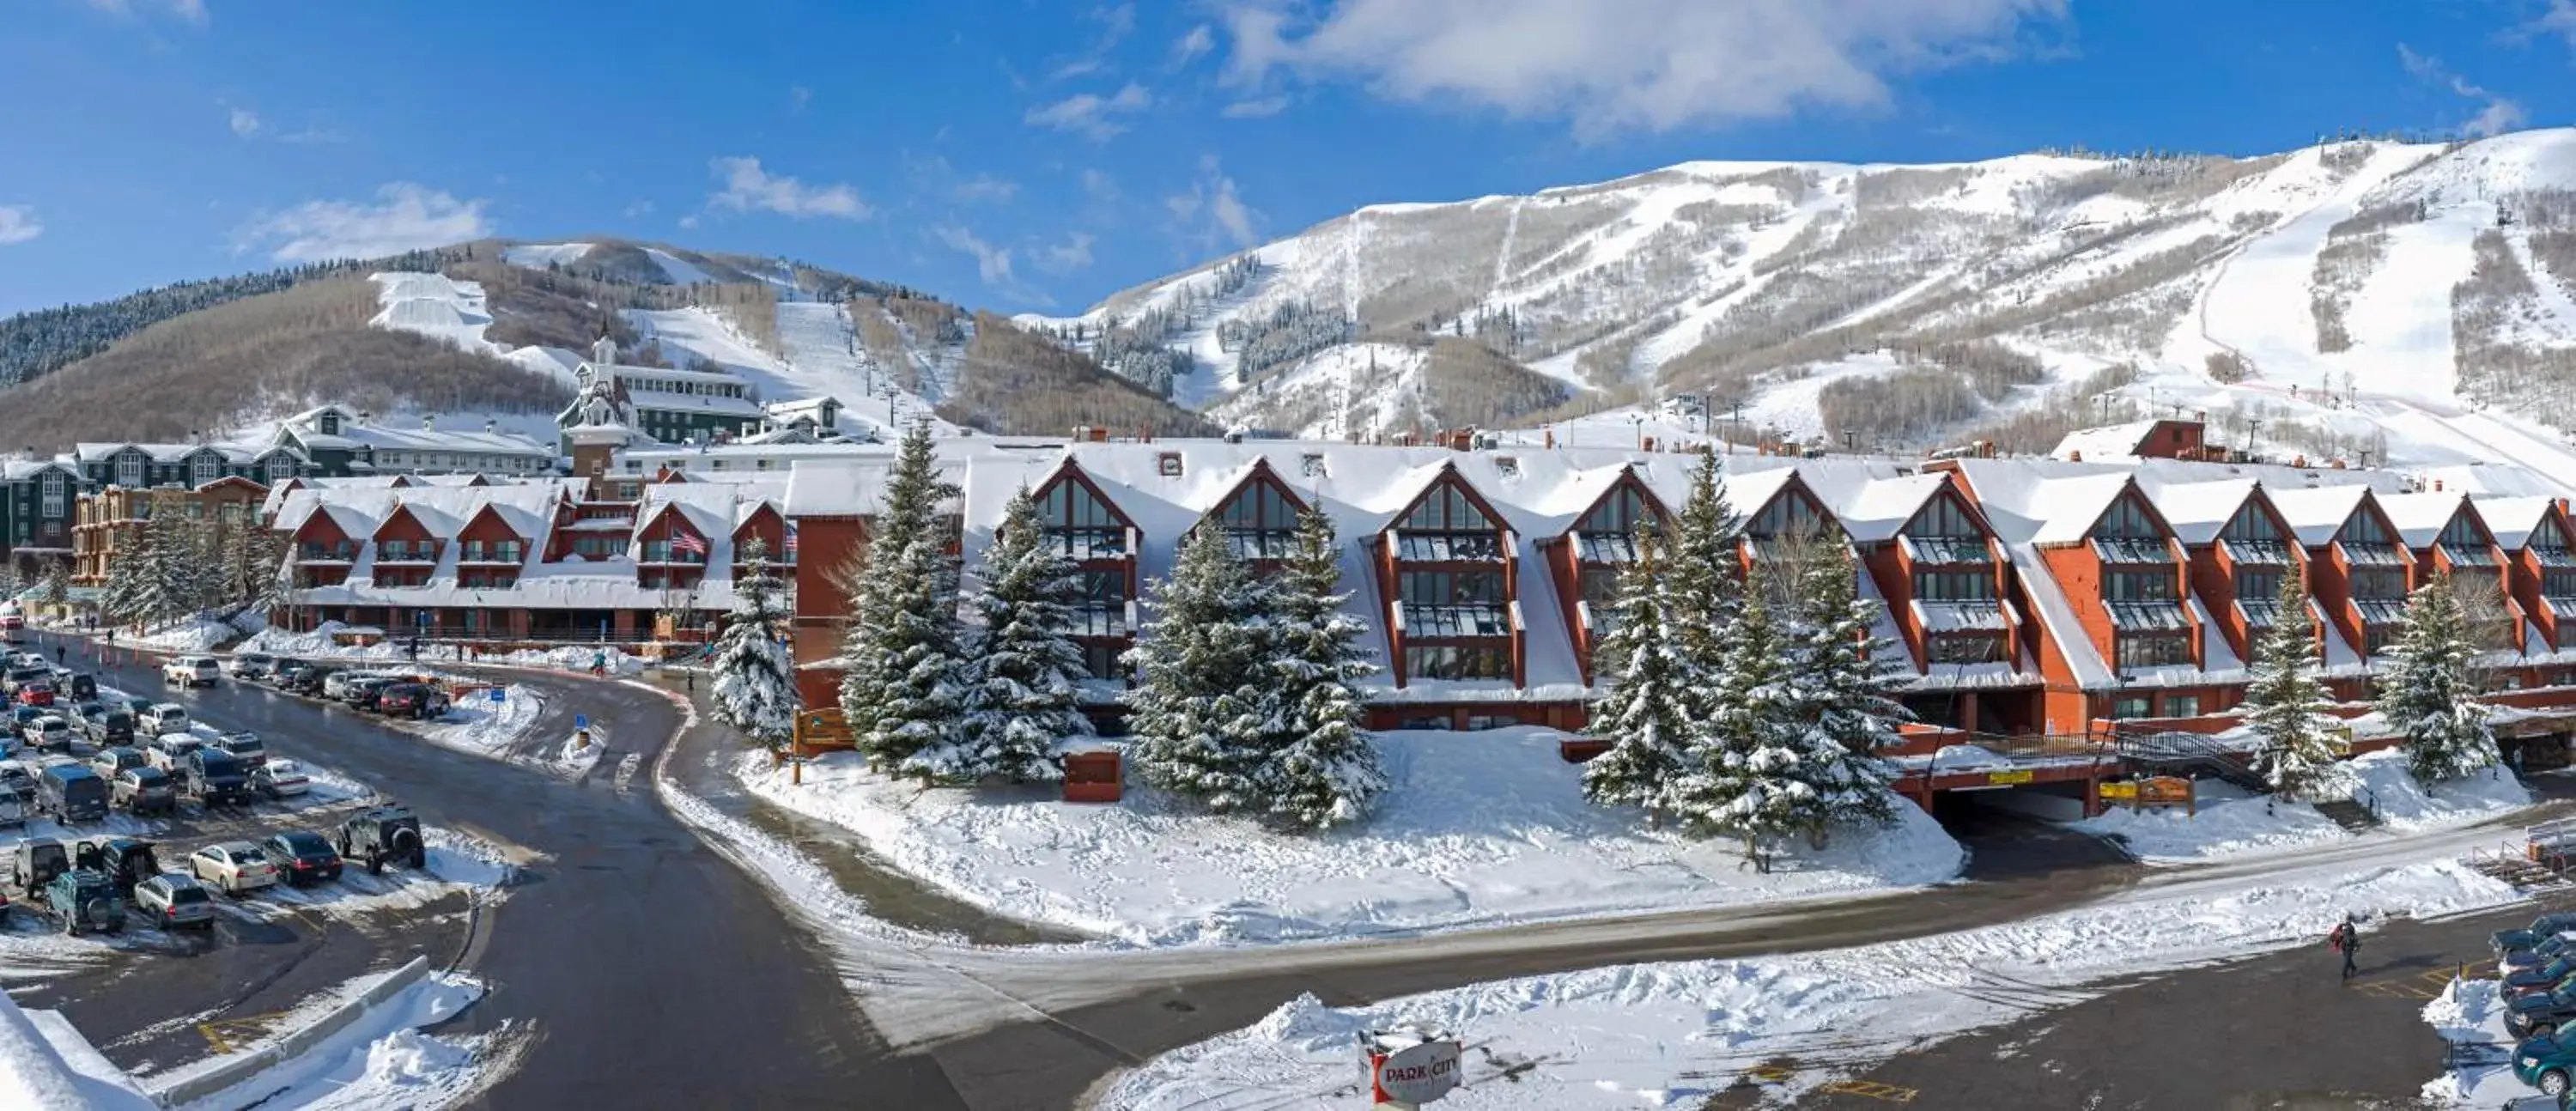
[[159, 997]]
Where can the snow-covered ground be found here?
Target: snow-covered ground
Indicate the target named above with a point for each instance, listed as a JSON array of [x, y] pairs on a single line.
[[47, 1065], [381, 1060], [2469, 1016], [1511, 841], [822, 358], [456, 313], [1672, 1035], [319, 645], [2232, 822]]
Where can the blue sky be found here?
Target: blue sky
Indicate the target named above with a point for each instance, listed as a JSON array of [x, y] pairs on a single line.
[[1027, 155]]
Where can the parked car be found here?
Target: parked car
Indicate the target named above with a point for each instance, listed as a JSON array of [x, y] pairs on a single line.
[[145, 790], [233, 867], [279, 779], [305, 856], [126, 860], [384, 833], [411, 700], [110, 727], [313, 679], [245, 747], [48, 734], [165, 717], [116, 758], [35, 861], [138, 707], [19, 716], [284, 670], [170, 751], [86, 900], [2543, 928], [361, 693], [2548, 950], [174, 901], [81, 684], [2539, 1014], [71, 792], [249, 665], [36, 692], [191, 671], [20, 780], [12, 618], [335, 684], [22, 672], [216, 778]]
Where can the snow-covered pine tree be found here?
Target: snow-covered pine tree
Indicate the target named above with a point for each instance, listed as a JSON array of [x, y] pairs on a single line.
[[1646, 717], [1323, 769], [1195, 708], [1841, 701], [55, 591], [120, 598], [2285, 705], [1020, 688], [900, 652], [1703, 584], [1741, 777], [2427, 696], [169, 580], [755, 675]]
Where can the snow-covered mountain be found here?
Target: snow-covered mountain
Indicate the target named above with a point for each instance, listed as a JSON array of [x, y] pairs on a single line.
[[2349, 298]]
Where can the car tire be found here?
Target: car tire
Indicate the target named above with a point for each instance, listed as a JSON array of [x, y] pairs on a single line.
[[2553, 1082]]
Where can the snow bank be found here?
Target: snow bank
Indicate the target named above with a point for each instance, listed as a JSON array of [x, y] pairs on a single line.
[[193, 635], [319, 645], [1673, 1035], [380, 1060], [2480, 1051], [2232, 822], [1477, 829], [45, 1065]]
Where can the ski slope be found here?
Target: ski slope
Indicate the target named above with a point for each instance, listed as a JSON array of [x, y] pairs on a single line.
[[822, 358]]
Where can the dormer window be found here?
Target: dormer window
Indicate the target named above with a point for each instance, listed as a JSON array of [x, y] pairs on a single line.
[[1080, 525], [330, 424], [1259, 522], [205, 468], [2251, 538], [2366, 542], [2128, 535], [129, 470], [1944, 534], [1608, 534], [1446, 527], [2465, 544], [1168, 464]]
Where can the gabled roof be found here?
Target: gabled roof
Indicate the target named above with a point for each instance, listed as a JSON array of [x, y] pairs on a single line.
[[2513, 520], [2420, 518], [2317, 513], [1883, 507], [2198, 511], [2104, 443]]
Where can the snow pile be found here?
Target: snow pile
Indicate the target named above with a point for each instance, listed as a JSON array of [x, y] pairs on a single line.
[[1476, 829], [45, 1065], [320, 645], [2233, 822], [2479, 1053], [197, 634], [481, 726], [380, 1060], [1676, 1034]]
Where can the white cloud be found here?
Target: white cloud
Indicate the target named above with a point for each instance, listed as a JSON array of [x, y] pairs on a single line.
[[749, 188], [1072, 254], [992, 263], [194, 11], [2559, 20], [689, 222], [1190, 47], [18, 224], [2497, 115], [1090, 113], [245, 122], [1255, 108], [1648, 65], [404, 217], [986, 189], [1211, 214]]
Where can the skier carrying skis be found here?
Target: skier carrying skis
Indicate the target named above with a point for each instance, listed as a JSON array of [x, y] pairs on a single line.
[[2346, 939]]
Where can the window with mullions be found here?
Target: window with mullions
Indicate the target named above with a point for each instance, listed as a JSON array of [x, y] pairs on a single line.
[[2132, 706], [2465, 542], [1450, 588], [1600, 587], [1954, 586], [205, 468], [2153, 651], [1968, 648], [1451, 662], [2558, 582], [1080, 525], [1447, 527], [2127, 519], [1101, 660], [2364, 528], [1259, 522], [2378, 583], [1438, 622], [1788, 517], [129, 470], [2139, 586], [2258, 584], [2250, 537], [1944, 533], [1608, 534]]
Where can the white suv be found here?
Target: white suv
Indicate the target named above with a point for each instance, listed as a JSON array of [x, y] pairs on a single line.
[[191, 671]]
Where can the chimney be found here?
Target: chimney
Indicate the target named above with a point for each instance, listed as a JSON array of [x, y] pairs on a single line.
[[428, 422], [2437, 486], [2075, 456]]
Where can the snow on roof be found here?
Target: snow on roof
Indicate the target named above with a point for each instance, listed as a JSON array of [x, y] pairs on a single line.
[[29, 468], [1883, 506], [2106, 442], [2198, 510], [164, 453], [2068, 508], [2316, 514], [2065, 631], [632, 372], [2513, 519], [528, 508], [804, 405], [2420, 518], [729, 406], [2496, 479], [431, 439]]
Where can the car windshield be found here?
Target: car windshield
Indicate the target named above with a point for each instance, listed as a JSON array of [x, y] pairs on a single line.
[[188, 894], [248, 854], [242, 744], [304, 844], [148, 776], [282, 768]]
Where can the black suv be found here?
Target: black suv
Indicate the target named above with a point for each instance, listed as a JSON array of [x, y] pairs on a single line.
[[382, 834], [305, 680], [217, 778]]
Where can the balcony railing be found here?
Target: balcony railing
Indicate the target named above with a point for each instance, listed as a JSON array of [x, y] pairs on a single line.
[[1946, 550], [2553, 557], [1433, 622], [2257, 553], [1605, 547], [2259, 615], [2472, 557], [387, 554], [2372, 555], [2132, 549], [2380, 611], [1449, 547], [2147, 616], [1961, 616]]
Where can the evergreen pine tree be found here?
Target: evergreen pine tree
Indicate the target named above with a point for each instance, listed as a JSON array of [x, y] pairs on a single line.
[[2286, 705], [1646, 717], [120, 599], [2427, 696], [1740, 777], [755, 674], [900, 653], [1323, 769], [1020, 688], [1841, 700], [1195, 708], [56, 590], [1703, 584]]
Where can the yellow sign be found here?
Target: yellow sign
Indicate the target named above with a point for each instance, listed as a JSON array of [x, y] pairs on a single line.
[[1998, 778], [2119, 790]]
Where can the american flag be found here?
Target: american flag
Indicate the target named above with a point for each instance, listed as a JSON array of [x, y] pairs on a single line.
[[791, 541], [685, 542]]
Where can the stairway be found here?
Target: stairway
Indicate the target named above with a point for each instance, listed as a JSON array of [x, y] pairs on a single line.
[[2179, 753], [2351, 815]]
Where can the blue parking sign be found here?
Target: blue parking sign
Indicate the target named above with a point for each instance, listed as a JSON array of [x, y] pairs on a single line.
[[497, 696], [581, 721]]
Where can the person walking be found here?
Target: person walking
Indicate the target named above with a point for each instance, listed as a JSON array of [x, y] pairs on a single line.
[[2346, 939]]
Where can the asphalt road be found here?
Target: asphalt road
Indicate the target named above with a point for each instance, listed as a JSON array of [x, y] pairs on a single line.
[[646, 971]]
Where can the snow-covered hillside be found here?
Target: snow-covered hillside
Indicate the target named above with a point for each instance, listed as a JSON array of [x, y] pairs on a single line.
[[822, 357], [2415, 302]]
